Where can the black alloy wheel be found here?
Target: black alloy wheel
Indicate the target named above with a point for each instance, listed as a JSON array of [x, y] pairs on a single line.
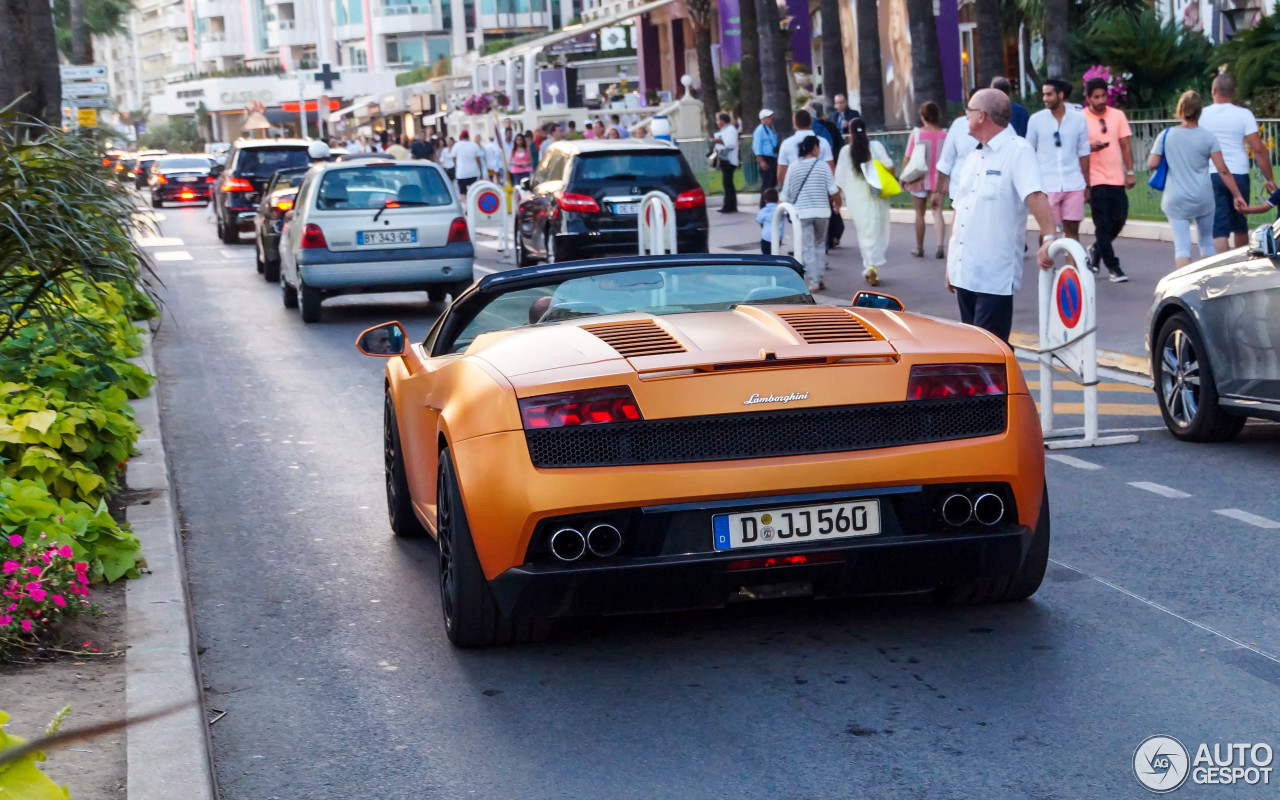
[[288, 294], [1185, 388], [230, 234], [404, 523], [309, 301]]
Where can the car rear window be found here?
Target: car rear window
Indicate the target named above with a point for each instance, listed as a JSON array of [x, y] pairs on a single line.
[[185, 163], [630, 166], [264, 162], [374, 185]]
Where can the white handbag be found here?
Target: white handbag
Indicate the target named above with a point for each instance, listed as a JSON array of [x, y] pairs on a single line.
[[917, 165]]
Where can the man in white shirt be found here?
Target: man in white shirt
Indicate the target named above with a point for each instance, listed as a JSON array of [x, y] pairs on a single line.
[[994, 189], [727, 150], [1060, 138], [955, 149], [468, 162], [789, 150], [1235, 126], [493, 160]]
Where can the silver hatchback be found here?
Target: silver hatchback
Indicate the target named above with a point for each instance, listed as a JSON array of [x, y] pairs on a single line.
[[362, 226]]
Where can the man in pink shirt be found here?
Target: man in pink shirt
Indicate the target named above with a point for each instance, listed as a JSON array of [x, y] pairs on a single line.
[[1110, 175]]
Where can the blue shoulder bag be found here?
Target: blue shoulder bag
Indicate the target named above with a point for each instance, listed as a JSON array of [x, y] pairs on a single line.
[[1158, 178]]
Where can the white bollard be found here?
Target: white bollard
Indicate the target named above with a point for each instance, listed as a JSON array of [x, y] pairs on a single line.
[[1069, 335], [657, 235], [775, 227], [489, 199]]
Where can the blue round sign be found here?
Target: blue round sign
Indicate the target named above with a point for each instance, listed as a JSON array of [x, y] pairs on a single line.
[[1070, 297], [488, 202]]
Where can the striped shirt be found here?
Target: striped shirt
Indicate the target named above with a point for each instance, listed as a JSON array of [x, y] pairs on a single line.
[[809, 187]]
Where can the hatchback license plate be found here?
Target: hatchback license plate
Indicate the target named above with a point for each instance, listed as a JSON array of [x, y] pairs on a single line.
[[629, 209], [797, 524], [401, 236], [187, 179]]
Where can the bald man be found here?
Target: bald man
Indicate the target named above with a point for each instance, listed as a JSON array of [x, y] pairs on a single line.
[[995, 188]]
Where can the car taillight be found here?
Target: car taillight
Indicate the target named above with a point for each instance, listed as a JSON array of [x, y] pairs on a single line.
[[584, 407], [106, 162], [161, 179], [694, 198], [209, 179], [138, 171], [119, 167], [237, 185], [186, 194], [313, 237], [783, 561], [577, 202], [458, 231], [939, 381]]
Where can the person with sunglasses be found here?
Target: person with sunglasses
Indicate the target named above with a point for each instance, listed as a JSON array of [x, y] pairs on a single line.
[[1110, 175], [995, 188], [1061, 141]]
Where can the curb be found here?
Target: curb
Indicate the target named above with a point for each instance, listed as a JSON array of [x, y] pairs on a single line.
[[169, 757]]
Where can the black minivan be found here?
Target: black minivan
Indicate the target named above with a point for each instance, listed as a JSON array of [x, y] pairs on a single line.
[[582, 200]]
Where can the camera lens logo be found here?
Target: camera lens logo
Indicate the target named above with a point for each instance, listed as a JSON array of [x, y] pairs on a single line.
[[1160, 764]]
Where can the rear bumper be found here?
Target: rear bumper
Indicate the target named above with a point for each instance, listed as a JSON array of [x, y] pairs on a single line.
[[595, 244], [387, 269], [171, 192]]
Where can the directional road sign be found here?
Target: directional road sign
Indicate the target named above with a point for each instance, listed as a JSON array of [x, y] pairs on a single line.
[[89, 102], [87, 117], [87, 72], [84, 89]]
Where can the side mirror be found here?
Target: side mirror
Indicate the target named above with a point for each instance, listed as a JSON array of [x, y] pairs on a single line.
[[1262, 242], [383, 341], [526, 184], [877, 300]]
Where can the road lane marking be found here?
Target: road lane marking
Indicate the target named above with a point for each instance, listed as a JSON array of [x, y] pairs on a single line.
[[1072, 461], [1153, 604], [1160, 489], [159, 241], [236, 254], [172, 255], [1247, 518]]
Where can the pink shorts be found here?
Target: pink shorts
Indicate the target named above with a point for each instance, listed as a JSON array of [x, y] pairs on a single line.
[[1067, 206]]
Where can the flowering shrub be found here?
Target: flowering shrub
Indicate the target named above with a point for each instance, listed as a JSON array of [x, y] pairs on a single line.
[[477, 105], [1117, 89], [41, 583]]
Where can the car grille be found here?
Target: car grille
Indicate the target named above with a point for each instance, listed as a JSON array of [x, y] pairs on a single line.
[[768, 434]]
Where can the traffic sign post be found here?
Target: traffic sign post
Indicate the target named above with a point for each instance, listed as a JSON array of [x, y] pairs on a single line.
[[84, 89], [87, 117], [485, 204], [656, 224], [1069, 336], [775, 227], [83, 72]]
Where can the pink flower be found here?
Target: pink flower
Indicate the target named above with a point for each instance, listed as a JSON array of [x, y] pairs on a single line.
[[36, 592], [81, 567], [5, 620], [13, 607], [10, 566], [33, 572], [15, 540], [27, 625], [87, 642], [45, 558], [59, 600], [65, 551]]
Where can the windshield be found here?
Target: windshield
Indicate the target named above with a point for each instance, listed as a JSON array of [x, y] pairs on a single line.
[[631, 166], [185, 163], [659, 291], [288, 178], [264, 163], [374, 185]]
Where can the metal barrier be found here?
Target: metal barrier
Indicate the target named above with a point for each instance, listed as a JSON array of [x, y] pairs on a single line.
[[487, 199], [656, 223], [775, 227], [1069, 336]]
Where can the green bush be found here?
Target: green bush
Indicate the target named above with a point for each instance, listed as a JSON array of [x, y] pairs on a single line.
[[1157, 57]]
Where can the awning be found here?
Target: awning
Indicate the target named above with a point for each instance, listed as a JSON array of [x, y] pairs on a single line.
[[564, 34], [362, 102]]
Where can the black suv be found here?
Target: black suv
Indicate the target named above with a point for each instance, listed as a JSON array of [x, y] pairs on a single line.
[[582, 200], [249, 168]]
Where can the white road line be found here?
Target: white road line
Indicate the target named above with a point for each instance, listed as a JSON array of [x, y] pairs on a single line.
[[1160, 489], [236, 254], [1153, 604], [1072, 461], [1246, 517], [172, 255], [159, 241]]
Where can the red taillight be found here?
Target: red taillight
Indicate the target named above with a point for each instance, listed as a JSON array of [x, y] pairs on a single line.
[[186, 194], [458, 231], [284, 204], [577, 202], [585, 407], [939, 381], [313, 237], [237, 185], [161, 179], [106, 162], [119, 167], [783, 561], [138, 171], [209, 179], [694, 198]]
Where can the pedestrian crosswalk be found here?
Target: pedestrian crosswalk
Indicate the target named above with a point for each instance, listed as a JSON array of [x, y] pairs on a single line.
[[1115, 399]]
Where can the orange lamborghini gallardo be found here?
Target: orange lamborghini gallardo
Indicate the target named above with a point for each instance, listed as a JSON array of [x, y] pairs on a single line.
[[642, 434]]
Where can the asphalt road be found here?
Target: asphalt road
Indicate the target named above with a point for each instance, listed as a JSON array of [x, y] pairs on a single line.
[[321, 639]]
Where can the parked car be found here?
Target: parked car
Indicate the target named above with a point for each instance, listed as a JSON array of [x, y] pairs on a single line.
[[373, 226], [582, 200], [181, 178], [240, 182], [142, 162], [277, 200], [1213, 336]]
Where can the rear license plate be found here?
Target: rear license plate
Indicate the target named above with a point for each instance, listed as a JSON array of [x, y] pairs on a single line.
[[401, 236], [816, 523], [630, 209], [187, 179]]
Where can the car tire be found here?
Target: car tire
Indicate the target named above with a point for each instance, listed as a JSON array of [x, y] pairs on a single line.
[[522, 255], [228, 233], [471, 615], [1018, 586], [437, 293], [271, 271], [156, 202], [309, 302], [1190, 411], [288, 294], [404, 523]]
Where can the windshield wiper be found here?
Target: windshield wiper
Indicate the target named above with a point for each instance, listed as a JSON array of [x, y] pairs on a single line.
[[398, 204]]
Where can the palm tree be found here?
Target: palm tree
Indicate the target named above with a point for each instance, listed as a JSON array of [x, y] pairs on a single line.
[[751, 92], [773, 66], [926, 61], [990, 43], [29, 60], [1057, 60], [702, 16], [833, 78], [76, 21], [870, 68]]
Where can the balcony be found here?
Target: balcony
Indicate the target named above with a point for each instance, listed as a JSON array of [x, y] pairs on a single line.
[[290, 33], [350, 32], [208, 9], [163, 21], [210, 47], [514, 21], [390, 20]]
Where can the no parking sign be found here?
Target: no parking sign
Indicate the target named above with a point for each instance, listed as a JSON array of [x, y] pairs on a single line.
[[488, 202], [1071, 316]]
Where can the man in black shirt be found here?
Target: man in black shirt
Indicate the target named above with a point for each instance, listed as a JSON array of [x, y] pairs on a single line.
[[843, 114], [421, 149]]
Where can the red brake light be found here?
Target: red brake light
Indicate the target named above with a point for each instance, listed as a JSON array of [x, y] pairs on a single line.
[[237, 185], [186, 194], [106, 162], [138, 171], [119, 167], [285, 203], [694, 198], [584, 407], [458, 231], [209, 179], [939, 381], [161, 179], [313, 238], [577, 202]]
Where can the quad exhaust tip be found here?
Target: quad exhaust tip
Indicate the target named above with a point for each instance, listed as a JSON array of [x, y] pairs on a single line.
[[604, 540], [957, 509], [569, 544], [988, 509]]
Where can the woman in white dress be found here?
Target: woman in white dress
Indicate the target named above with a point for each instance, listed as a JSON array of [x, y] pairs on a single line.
[[869, 211]]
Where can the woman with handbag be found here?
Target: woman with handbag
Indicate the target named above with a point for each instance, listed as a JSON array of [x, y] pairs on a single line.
[[920, 174], [1180, 159], [864, 174], [811, 188]]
